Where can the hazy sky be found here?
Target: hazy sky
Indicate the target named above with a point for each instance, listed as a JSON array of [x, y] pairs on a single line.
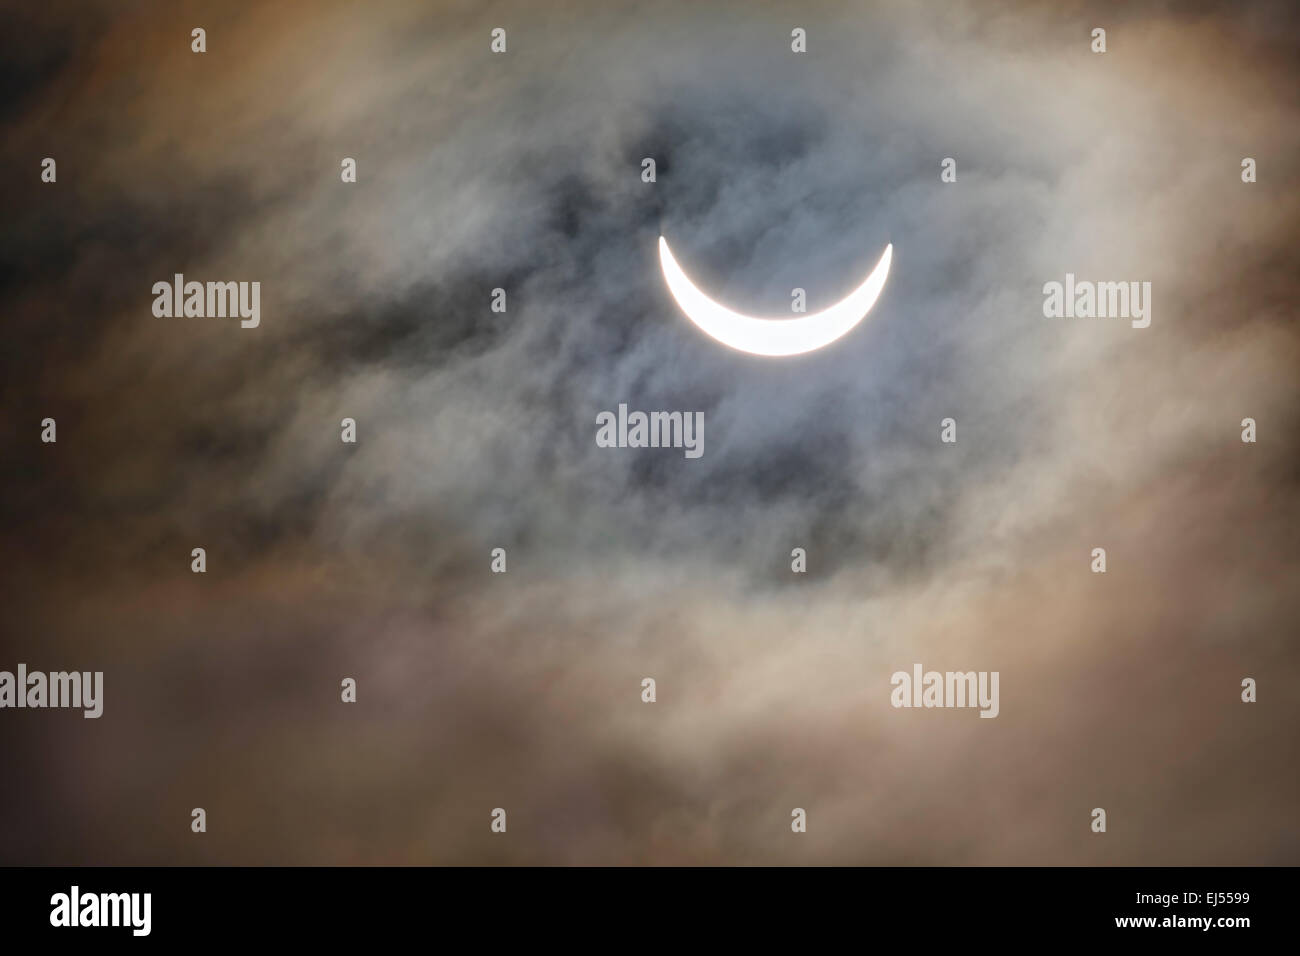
[[476, 431]]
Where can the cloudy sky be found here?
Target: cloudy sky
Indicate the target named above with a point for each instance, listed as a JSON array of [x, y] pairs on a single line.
[[476, 431]]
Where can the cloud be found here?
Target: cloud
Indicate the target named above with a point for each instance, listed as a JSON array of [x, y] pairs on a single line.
[[476, 431]]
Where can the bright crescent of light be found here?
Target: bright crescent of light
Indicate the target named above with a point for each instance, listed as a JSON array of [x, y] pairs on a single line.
[[773, 336]]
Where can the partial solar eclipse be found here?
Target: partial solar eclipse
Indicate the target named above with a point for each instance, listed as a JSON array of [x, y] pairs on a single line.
[[759, 336]]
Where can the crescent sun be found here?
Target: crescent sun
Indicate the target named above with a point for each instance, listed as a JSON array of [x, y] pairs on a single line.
[[773, 336]]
